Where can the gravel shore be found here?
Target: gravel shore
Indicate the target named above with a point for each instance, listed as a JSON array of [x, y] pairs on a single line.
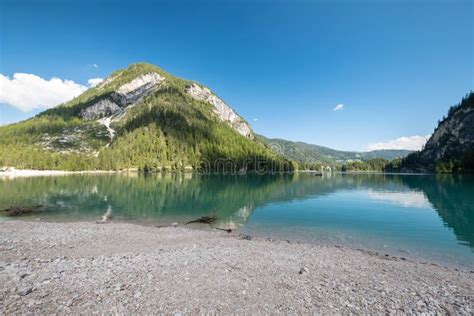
[[125, 268]]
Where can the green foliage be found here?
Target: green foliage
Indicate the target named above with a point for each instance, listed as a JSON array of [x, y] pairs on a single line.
[[464, 164], [376, 164]]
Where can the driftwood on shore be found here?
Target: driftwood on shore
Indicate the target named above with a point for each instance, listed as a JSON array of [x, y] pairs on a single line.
[[229, 230], [203, 220], [22, 210], [106, 217]]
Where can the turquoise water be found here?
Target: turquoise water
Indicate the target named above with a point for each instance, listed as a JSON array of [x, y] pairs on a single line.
[[427, 217]]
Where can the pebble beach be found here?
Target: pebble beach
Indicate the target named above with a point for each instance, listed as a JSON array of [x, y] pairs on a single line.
[[124, 268]]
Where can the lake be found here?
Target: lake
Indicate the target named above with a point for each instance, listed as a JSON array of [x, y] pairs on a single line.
[[426, 217]]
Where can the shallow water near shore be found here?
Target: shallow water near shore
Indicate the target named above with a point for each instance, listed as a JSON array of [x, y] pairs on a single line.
[[423, 217]]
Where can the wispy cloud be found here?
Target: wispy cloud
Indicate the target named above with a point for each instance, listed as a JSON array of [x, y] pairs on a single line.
[[338, 107], [28, 91], [94, 81], [95, 66], [255, 119], [407, 142]]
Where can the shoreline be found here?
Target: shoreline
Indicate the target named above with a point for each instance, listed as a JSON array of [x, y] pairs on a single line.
[[11, 173], [117, 267], [236, 233], [18, 173]]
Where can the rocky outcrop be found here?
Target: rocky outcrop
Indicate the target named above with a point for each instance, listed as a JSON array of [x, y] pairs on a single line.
[[102, 108], [224, 112], [126, 95], [454, 135], [136, 89], [451, 146]]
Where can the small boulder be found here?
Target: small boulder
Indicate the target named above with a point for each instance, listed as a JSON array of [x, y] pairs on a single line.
[[303, 270], [25, 291]]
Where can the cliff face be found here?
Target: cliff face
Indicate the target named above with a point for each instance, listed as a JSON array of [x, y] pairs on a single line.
[[222, 110], [451, 147], [454, 135]]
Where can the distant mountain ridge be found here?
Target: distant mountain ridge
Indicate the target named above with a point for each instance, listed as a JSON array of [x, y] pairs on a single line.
[[304, 152]]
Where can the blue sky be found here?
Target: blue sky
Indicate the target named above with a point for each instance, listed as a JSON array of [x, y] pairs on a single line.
[[396, 66]]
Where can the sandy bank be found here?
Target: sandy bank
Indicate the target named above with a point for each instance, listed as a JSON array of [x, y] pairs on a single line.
[[85, 267], [17, 173]]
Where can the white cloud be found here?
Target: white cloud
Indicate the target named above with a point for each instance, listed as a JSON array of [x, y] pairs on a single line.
[[338, 107], [28, 91], [95, 66], [408, 142], [405, 199], [255, 119], [94, 81]]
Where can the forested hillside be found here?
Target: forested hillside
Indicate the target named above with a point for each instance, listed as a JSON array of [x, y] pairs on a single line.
[[309, 155], [140, 117]]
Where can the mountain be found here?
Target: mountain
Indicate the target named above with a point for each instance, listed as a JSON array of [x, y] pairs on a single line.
[[451, 146], [139, 117], [305, 153]]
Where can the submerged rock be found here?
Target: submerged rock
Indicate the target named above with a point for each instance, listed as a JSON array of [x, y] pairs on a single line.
[[22, 210]]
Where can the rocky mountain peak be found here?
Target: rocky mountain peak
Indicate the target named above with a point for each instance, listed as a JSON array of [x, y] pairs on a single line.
[[140, 85]]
